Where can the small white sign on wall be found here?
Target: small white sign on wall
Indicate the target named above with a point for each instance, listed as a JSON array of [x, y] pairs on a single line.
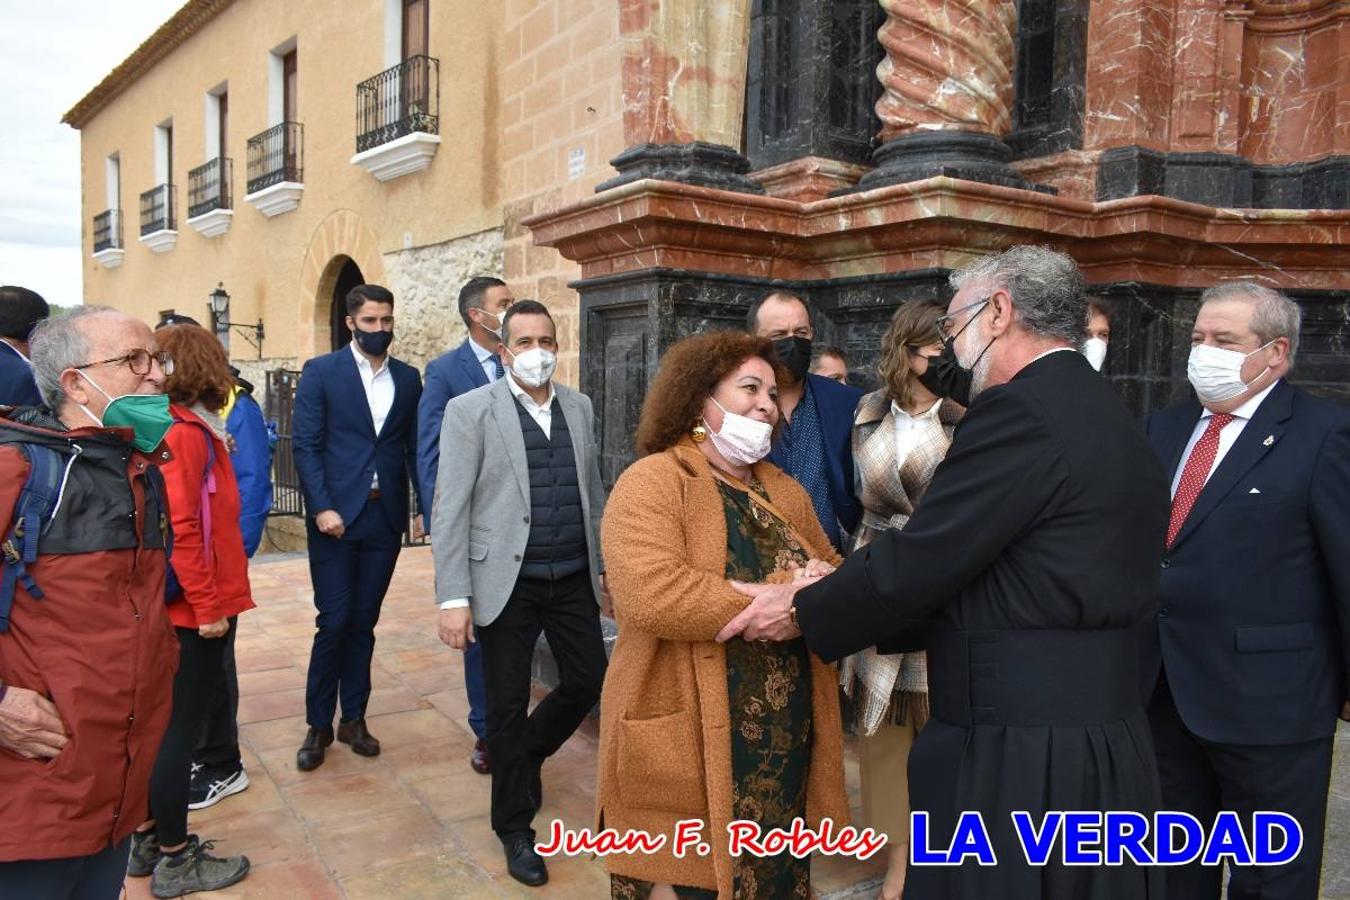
[[576, 162]]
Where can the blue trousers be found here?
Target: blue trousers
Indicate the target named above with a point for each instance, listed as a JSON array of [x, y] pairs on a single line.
[[350, 575], [476, 689], [98, 876]]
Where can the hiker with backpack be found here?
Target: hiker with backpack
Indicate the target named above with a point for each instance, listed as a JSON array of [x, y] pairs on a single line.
[[208, 584], [87, 654]]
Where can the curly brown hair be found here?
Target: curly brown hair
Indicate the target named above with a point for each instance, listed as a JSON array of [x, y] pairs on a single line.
[[201, 370], [689, 372], [913, 325]]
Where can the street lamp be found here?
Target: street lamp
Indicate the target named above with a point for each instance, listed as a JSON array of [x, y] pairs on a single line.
[[218, 301]]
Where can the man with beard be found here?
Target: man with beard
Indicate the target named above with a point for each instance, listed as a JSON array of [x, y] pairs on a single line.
[[814, 443], [1026, 574]]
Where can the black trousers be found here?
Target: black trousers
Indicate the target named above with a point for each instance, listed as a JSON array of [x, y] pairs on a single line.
[[1203, 777], [350, 575], [519, 741], [199, 660], [218, 745], [98, 876]]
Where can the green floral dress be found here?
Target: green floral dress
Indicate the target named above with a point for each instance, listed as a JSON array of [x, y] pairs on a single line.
[[769, 686]]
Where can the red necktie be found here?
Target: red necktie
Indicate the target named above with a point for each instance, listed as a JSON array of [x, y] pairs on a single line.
[[1196, 471]]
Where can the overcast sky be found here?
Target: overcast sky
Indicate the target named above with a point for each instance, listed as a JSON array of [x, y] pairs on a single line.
[[51, 54]]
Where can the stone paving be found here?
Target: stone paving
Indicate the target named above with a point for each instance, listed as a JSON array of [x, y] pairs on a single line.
[[413, 822]]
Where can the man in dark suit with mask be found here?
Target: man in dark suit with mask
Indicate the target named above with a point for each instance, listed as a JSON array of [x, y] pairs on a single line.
[[1249, 659], [354, 428], [1027, 574], [483, 301], [814, 443]]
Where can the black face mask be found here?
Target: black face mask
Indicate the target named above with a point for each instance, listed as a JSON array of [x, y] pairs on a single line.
[[795, 355], [373, 343], [946, 377]]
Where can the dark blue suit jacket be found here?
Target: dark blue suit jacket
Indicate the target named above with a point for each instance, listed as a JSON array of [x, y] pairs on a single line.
[[17, 387], [336, 449], [448, 375], [835, 404], [1254, 620]]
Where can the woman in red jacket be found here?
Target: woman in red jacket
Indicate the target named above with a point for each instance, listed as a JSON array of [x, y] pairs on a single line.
[[207, 586]]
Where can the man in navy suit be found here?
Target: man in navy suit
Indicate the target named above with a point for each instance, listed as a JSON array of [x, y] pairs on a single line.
[[814, 444], [20, 310], [354, 429], [482, 302], [1247, 667]]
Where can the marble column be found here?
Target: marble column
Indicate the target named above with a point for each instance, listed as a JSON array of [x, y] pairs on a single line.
[[947, 98], [684, 69]]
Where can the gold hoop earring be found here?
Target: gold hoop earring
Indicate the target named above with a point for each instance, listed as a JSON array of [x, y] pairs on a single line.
[[699, 434]]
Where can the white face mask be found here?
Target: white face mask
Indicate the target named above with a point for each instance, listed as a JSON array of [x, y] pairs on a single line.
[[1095, 351], [534, 367], [1216, 374], [742, 441], [495, 332]]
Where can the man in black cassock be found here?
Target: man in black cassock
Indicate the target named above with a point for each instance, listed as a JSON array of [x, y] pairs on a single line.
[[1026, 573]]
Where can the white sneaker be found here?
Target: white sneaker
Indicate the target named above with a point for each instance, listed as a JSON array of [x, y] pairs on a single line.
[[200, 797]]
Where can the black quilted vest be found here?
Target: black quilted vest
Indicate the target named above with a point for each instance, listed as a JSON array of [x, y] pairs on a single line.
[[557, 544]]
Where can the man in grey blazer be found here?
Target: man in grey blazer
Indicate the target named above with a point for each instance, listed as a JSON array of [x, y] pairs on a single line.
[[515, 531]]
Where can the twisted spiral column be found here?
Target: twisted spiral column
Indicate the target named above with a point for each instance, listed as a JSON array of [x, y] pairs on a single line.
[[948, 66], [947, 81]]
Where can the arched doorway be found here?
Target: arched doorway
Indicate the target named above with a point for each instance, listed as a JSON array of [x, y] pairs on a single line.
[[349, 276]]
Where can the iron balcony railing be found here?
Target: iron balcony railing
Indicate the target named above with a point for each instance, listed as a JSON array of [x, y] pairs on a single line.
[[398, 102], [209, 187], [108, 230], [157, 210], [276, 155]]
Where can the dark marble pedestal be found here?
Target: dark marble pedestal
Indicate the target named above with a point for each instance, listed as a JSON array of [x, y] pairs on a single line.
[[707, 165]]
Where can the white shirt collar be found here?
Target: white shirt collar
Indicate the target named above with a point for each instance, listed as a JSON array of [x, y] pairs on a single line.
[[524, 396], [17, 352], [363, 363], [1248, 409], [1053, 350], [479, 352], [930, 413]]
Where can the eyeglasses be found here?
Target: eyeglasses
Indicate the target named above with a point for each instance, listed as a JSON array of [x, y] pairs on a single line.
[[944, 324], [139, 360]]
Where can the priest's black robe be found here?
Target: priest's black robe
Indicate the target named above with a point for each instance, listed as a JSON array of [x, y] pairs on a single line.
[[1026, 572]]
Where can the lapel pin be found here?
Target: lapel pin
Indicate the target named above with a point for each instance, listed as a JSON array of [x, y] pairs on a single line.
[[1270, 439]]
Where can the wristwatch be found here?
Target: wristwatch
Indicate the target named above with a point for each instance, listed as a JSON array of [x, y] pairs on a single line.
[[792, 615]]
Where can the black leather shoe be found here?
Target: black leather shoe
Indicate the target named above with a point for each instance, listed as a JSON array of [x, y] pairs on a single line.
[[362, 741], [479, 759], [310, 754], [522, 863]]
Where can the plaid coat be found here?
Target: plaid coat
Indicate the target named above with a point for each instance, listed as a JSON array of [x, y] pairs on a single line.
[[889, 491]]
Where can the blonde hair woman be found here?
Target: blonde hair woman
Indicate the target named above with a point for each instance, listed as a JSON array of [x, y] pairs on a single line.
[[900, 434]]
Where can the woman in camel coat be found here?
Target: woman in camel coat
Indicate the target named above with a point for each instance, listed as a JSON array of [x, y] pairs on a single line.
[[693, 729]]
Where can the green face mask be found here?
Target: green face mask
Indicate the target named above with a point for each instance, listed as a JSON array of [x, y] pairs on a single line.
[[147, 415]]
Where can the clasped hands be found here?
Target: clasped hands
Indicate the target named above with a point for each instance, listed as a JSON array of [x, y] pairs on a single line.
[[768, 617]]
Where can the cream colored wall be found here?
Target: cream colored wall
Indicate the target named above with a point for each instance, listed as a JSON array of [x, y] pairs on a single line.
[[273, 267], [562, 90]]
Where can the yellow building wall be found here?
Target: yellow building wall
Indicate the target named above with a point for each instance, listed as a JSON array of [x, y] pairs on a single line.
[[273, 267], [561, 90]]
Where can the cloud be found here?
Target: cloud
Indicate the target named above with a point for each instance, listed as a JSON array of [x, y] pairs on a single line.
[[54, 53]]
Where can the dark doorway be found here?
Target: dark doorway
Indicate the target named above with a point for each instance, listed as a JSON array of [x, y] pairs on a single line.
[[348, 278]]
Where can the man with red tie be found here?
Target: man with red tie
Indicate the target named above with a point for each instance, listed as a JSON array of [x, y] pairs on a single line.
[[1248, 670]]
